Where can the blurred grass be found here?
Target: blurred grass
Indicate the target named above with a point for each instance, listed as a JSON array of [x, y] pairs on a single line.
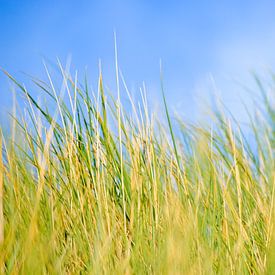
[[95, 188]]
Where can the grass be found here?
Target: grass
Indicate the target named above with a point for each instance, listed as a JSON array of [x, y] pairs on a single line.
[[94, 188]]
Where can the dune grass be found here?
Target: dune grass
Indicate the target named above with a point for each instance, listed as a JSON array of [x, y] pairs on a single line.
[[95, 188]]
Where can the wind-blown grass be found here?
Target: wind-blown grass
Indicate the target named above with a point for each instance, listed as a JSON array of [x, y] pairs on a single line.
[[98, 189]]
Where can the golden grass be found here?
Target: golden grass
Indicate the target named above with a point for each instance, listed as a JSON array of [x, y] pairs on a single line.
[[96, 189]]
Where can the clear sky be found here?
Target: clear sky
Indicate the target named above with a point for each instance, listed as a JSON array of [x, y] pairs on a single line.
[[202, 44]]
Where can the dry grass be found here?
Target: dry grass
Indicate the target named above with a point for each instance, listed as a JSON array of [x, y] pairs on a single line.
[[96, 189]]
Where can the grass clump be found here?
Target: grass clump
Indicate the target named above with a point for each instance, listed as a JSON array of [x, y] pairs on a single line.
[[94, 188]]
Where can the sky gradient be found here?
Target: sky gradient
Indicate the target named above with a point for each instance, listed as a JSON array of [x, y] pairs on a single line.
[[203, 45]]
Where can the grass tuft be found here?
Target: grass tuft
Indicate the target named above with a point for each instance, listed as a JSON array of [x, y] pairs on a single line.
[[95, 188]]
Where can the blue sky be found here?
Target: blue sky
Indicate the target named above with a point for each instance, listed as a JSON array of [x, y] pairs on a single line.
[[204, 45]]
